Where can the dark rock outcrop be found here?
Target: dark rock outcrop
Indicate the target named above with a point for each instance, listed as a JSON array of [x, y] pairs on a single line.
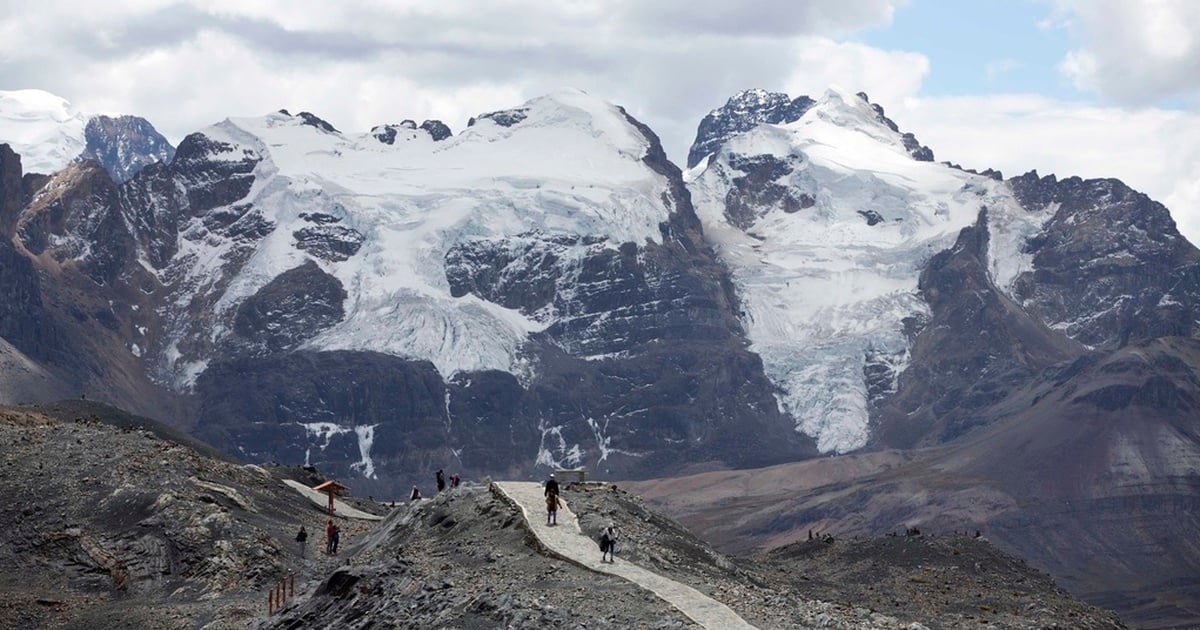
[[436, 129], [11, 191], [504, 118], [757, 192], [1109, 267], [312, 120], [333, 243], [293, 307]]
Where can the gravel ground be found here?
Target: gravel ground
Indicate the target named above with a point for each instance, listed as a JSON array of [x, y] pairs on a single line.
[[113, 525]]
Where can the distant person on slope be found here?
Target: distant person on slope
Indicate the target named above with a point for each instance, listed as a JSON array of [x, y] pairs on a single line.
[[551, 486], [416, 494], [302, 538], [329, 537], [336, 538], [454, 480], [608, 543], [441, 480], [552, 505]]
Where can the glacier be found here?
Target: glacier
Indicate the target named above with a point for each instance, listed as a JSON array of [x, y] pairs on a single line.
[[825, 288]]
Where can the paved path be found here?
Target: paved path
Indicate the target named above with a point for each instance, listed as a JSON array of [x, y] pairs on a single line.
[[567, 540], [322, 499]]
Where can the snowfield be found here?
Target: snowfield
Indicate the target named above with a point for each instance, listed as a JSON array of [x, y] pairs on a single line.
[[571, 166]]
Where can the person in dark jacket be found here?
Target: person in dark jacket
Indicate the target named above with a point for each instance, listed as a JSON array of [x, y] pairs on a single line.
[[608, 543], [416, 494], [337, 538], [302, 538], [551, 486], [441, 480]]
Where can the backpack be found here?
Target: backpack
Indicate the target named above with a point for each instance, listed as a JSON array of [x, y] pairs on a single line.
[[605, 541]]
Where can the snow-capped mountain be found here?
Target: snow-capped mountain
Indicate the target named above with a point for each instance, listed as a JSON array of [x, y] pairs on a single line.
[[539, 289], [826, 221], [534, 290], [835, 226], [43, 128], [49, 134], [544, 288]]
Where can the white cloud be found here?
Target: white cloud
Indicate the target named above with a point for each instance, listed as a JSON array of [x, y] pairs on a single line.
[[1133, 52], [357, 63], [184, 65], [887, 77]]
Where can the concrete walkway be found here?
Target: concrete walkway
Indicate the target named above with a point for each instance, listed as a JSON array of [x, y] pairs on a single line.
[[567, 541], [322, 500]]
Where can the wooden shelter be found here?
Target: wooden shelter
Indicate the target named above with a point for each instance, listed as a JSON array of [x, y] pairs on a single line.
[[331, 488]]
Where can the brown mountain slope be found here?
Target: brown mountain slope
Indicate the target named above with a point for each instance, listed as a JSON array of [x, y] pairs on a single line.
[[1093, 476]]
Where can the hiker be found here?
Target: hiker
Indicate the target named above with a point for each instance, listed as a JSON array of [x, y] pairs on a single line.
[[416, 494], [608, 543], [454, 480], [302, 537], [337, 536], [552, 505], [329, 537], [551, 486], [441, 480]]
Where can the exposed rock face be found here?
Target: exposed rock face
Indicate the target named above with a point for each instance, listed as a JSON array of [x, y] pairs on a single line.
[[974, 330], [387, 134], [757, 192], [357, 415], [436, 129], [124, 145], [23, 320], [293, 307], [76, 217], [202, 176], [313, 120], [11, 191], [744, 111], [333, 243], [1110, 267], [504, 118]]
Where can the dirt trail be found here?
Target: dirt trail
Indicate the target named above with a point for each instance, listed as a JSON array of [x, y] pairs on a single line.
[[567, 541]]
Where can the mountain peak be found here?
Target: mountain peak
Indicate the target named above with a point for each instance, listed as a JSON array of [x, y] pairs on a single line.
[[742, 112], [43, 128]]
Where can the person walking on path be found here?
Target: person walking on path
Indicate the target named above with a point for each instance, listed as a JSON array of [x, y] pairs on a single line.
[[608, 543], [329, 537], [302, 538], [441, 480], [552, 505], [337, 537], [551, 486]]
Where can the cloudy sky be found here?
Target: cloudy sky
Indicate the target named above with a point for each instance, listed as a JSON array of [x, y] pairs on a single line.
[[1087, 87]]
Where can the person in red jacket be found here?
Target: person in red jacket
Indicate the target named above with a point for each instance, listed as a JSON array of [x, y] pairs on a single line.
[[329, 538]]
